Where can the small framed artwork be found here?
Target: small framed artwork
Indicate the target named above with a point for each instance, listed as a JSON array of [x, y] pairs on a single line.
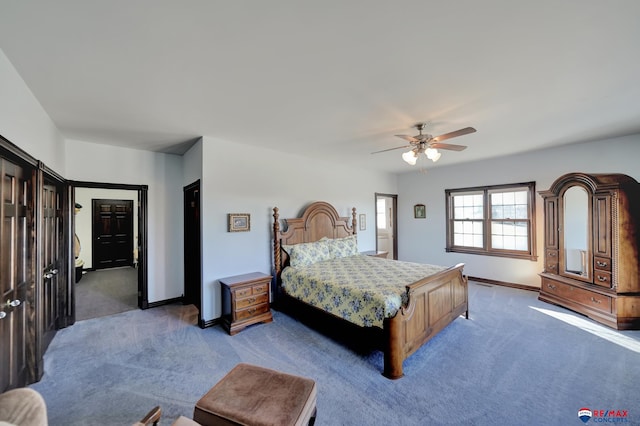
[[239, 222], [363, 222], [419, 211]]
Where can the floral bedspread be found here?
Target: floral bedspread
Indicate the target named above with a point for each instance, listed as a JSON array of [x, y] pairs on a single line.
[[361, 289]]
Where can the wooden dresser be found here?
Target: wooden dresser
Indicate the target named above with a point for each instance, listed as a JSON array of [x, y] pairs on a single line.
[[245, 300], [592, 241]]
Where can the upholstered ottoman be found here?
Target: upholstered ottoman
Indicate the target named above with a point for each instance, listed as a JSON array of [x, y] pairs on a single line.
[[256, 396]]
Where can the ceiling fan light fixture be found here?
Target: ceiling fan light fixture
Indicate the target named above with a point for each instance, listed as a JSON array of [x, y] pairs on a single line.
[[436, 156], [410, 157], [432, 154]]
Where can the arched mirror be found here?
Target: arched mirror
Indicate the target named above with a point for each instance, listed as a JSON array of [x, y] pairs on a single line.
[[576, 228]]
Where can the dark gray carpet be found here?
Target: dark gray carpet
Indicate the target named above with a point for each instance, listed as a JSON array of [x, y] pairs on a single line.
[[516, 361], [106, 292]]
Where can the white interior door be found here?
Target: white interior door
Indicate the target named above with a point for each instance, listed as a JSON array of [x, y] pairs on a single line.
[[384, 221]]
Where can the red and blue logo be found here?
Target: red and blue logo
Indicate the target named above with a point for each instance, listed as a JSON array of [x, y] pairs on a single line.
[[603, 416]]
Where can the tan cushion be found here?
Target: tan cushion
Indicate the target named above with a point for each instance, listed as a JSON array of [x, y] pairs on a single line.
[[184, 421], [252, 395], [23, 406]]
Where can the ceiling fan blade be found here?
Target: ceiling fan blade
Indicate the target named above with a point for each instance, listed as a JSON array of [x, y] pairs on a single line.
[[448, 146], [391, 149], [408, 138], [457, 133]]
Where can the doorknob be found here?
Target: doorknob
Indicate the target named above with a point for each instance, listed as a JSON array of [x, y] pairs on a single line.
[[2, 314], [48, 275], [13, 303], [54, 272]]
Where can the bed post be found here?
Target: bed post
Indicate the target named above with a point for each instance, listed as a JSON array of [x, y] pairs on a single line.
[[353, 221], [393, 347], [276, 244]]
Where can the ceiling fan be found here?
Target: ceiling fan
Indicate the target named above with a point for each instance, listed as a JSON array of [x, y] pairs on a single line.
[[428, 144]]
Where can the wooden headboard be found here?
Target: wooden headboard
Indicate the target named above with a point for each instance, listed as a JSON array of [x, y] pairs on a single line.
[[320, 219]]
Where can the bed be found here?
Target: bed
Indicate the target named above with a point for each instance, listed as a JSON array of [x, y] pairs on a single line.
[[315, 264]]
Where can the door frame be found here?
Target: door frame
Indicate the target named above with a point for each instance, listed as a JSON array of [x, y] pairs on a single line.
[[394, 225], [193, 237], [143, 221]]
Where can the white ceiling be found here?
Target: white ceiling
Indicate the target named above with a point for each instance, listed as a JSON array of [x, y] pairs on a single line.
[[331, 79]]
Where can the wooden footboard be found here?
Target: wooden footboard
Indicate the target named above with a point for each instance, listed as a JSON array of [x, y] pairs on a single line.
[[434, 303]]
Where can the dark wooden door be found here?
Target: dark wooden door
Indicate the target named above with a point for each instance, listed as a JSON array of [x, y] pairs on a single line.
[[51, 261], [16, 272], [192, 243], [112, 233]]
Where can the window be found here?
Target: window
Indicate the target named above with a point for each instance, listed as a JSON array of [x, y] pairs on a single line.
[[494, 220], [381, 212]]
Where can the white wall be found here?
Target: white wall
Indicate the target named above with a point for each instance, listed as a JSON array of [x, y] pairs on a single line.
[[192, 164], [24, 122], [261, 180], [163, 175], [83, 220], [424, 240]]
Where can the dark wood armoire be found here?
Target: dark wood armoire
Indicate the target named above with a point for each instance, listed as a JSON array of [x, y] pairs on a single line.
[[592, 241]]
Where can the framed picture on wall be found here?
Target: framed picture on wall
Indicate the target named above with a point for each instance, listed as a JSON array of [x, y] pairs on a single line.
[[419, 211], [239, 222], [363, 222]]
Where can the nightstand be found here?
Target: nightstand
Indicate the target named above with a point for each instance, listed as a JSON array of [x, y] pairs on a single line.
[[373, 253], [245, 301]]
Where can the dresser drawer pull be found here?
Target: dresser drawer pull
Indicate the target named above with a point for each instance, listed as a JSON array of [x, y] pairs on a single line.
[[594, 300], [552, 254], [251, 299], [251, 311], [602, 279], [601, 264], [552, 287]]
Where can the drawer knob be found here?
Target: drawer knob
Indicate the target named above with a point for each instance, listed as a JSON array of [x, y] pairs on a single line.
[[602, 279], [552, 254], [601, 264], [252, 311], [594, 300], [552, 287], [251, 299]]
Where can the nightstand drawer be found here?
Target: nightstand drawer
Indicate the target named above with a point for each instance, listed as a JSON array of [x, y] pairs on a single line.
[[243, 292], [250, 301], [251, 312], [260, 288]]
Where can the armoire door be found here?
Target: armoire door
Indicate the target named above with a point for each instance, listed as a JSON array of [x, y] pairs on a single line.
[[52, 264], [112, 233], [16, 272]]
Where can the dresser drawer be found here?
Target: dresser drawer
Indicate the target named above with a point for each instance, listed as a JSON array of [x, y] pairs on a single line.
[[246, 313], [602, 263], [602, 278], [578, 295], [251, 301]]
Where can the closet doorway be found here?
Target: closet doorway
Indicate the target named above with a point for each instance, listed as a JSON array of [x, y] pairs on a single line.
[[387, 224], [109, 280]]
